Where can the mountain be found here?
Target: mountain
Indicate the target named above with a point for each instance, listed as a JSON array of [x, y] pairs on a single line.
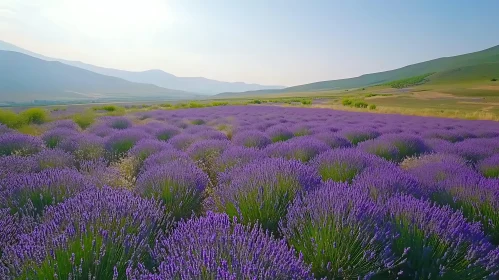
[[24, 78], [490, 55], [156, 77]]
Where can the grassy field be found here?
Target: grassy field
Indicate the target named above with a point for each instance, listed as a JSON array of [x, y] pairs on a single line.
[[441, 96], [464, 99]]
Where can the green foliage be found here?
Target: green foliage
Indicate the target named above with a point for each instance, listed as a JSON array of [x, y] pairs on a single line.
[[219, 103], [109, 108], [24, 118], [256, 101], [372, 107], [306, 102], [412, 81], [34, 116], [58, 109], [85, 119], [338, 172], [195, 105], [493, 80], [360, 104], [120, 148], [281, 137], [346, 102], [490, 171], [266, 204], [378, 94], [10, 119], [165, 105], [198, 122], [426, 252]]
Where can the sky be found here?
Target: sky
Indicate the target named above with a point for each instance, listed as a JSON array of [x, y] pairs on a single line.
[[273, 42]]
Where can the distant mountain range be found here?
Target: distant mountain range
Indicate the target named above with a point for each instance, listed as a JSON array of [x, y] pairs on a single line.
[[486, 61], [159, 78], [24, 78]]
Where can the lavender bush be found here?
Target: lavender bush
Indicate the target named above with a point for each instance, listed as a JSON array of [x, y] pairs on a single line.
[[32, 193], [180, 185], [342, 165], [213, 247], [98, 234], [19, 144], [440, 243], [262, 191], [341, 233]]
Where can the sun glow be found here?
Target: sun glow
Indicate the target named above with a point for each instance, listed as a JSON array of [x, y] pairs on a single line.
[[109, 18]]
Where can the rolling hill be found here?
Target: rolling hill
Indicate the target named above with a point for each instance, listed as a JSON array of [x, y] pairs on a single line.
[[481, 72], [443, 64], [25, 78], [156, 77]]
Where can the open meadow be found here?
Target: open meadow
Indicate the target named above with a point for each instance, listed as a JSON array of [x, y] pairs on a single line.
[[252, 192]]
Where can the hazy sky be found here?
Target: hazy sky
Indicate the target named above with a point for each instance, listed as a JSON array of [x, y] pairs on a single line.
[[283, 42]]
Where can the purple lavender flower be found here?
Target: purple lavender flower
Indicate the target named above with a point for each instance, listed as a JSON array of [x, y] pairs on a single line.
[[382, 182], [19, 144], [167, 132], [252, 138], [211, 134], [12, 165], [54, 158], [448, 135], [67, 124], [340, 232], [118, 144], [406, 144], [213, 247], [332, 140], [301, 129], [179, 184], [11, 227], [205, 149], [95, 235], [53, 137], [439, 242], [165, 156], [430, 173], [182, 141], [117, 122], [84, 146], [4, 129], [261, 191], [147, 147], [31, 193], [476, 197], [381, 149], [301, 148], [279, 133], [237, 156], [342, 165], [489, 167], [357, 135], [417, 162]]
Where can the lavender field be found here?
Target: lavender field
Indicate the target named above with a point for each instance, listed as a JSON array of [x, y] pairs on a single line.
[[251, 192]]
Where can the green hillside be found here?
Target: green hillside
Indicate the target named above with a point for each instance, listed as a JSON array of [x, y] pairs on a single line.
[[488, 56], [437, 65], [475, 73], [409, 82]]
